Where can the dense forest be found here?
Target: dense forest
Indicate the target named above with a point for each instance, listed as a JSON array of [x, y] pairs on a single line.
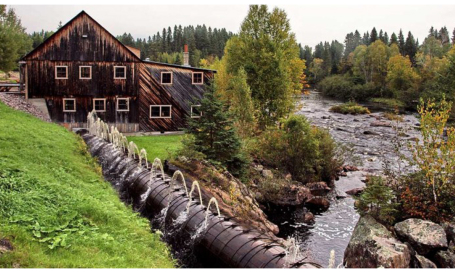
[[394, 69]]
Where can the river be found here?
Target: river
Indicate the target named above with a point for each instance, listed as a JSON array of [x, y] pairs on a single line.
[[333, 228]]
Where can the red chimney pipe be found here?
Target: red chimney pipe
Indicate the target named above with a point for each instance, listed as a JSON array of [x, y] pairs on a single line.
[[185, 48]]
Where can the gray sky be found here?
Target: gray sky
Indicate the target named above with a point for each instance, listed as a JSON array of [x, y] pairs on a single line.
[[310, 23]]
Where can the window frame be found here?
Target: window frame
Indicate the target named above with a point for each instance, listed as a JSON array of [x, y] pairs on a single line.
[[172, 77], [161, 106], [197, 83], [80, 72], [99, 99], [56, 74], [69, 111], [127, 104], [200, 113], [115, 70]]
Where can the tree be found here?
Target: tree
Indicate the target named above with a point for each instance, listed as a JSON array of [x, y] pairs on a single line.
[[400, 74], [266, 48], [410, 48], [360, 62], [377, 62], [373, 35], [401, 43], [14, 42], [316, 69], [393, 39], [215, 135]]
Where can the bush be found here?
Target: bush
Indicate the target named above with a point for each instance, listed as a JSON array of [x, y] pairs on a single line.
[[344, 88], [307, 152], [350, 108], [377, 201]]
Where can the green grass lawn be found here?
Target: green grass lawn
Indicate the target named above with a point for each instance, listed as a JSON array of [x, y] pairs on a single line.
[[162, 147], [57, 210]]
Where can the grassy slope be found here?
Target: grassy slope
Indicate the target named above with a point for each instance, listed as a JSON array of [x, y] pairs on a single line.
[[52, 190], [158, 146]]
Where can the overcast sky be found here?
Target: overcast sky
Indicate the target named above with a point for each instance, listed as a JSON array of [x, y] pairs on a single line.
[[310, 23]]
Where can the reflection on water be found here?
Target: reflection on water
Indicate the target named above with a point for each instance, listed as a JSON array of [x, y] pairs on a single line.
[[333, 229]]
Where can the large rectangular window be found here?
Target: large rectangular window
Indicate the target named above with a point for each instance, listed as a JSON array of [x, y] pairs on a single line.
[[120, 72], [195, 111], [160, 111], [99, 105], [69, 105], [85, 72], [198, 78], [61, 72], [123, 104], [166, 77]]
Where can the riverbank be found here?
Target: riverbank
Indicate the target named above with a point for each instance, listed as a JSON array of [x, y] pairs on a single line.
[[57, 210]]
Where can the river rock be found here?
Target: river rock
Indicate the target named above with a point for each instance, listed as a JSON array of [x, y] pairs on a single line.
[[373, 246], [318, 188], [449, 228], [356, 191], [349, 168], [258, 168], [318, 203], [370, 133], [308, 217], [380, 124], [267, 174], [444, 259], [423, 262], [424, 236]]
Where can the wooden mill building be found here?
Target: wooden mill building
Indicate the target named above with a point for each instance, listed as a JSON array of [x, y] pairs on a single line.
[[83, 67]]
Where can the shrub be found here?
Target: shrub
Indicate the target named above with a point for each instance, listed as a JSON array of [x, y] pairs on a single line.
[[344, 88], [307, 152], [377, 201], [350, 108]]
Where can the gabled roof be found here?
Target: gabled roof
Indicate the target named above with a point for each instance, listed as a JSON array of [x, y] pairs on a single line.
[[68, 23]]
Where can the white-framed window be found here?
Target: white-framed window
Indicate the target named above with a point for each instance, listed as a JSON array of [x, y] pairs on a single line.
[[160, 111], [99, 105], [123, 104], [120, 72], [85, 72], [195, 111], [167, 77], [61, 72], [69, 105], [198, 78]]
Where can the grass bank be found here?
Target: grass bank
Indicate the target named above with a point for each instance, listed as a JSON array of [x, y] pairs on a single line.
[[57, 210], [158, 146]]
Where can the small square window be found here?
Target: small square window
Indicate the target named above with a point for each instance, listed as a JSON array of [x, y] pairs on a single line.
[[61, 72], [165, 111], [160, 111], [85, 72], [195, 111], [123, 104], [198, 78], [99, 105], [155, 111], [69, 105], [119, 72], [166, 77]]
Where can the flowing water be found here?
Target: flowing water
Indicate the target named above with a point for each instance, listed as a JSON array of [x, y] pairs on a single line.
[[333, 228]]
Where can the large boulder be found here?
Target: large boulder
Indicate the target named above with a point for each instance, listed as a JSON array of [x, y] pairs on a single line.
[[423, 262], [449, 228], [444, 259], [318, 188], [319, 203], [373, 246], [424, 236]]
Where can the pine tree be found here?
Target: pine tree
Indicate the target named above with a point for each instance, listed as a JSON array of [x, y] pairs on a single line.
[[410, 48], [386, 38], [401, 43], [453, 37], [373, 35], [215, 135], [393, 39]]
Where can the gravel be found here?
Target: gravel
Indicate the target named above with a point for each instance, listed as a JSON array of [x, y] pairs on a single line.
[[19, 103]]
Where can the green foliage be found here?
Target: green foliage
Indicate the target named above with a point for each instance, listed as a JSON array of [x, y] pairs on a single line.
[[343, 88], [307, 152], [268, 52], [14, 42], [392, 103], [189, 149], [57, 210], [377, 201], [350, 108], [215, 135]]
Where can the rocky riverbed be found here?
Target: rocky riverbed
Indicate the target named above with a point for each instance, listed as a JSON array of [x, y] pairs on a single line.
[[369, 140]]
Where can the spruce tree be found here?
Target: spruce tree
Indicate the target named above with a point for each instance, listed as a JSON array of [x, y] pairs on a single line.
[[410, 48], [373, 35], [401, 43], [215, 135], [393, 39]]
